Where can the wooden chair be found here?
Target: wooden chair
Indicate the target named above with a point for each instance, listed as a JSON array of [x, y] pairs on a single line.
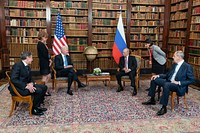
[[126, 78], [173, 95], [19, 98], [56, 79]]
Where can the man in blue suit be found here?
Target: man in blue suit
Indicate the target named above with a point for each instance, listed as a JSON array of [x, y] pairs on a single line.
[[176, 80]]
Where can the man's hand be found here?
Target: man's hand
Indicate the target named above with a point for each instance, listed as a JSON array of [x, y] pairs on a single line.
[[154, 77], [69, 66], [30, 87], [126, 70], [175, 82]]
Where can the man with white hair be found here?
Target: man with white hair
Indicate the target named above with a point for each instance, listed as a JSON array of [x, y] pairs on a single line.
[[64, 68], [176, 80]]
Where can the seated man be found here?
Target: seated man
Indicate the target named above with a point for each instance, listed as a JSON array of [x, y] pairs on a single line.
[[127, 65], [22, 80], [64, 68], [176, 80]]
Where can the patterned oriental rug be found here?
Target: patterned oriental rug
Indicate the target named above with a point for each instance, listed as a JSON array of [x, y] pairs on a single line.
[[99, 109]]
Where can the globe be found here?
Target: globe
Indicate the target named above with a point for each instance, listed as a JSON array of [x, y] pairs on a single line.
[[90, 53]]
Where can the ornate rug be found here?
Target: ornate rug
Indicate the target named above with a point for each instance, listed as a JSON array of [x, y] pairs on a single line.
[[98, 108]]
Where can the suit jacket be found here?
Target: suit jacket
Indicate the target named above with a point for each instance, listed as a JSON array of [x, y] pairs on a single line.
[[158, 55], [20, 76], [132, 63], [59, 63], [184, 75]]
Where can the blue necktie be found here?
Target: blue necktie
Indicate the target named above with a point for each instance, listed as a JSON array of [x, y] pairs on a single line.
[[65, 61]]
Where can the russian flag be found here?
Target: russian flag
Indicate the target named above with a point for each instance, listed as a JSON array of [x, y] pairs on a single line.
[[120, 41]]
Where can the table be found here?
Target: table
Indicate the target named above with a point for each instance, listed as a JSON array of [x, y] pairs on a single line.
[[102, 77]]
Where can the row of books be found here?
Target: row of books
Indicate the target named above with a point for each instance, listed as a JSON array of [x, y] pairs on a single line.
[[106, 14], [144, 23], [24, 32], [194, 51], [79, 64], [177, 41], [196, 10], [196, 70], [103, 22], [68, 4], [27, 4], [145, 15], [104, 63], [178, 16], [179, 6], [194, 59], [147, 8], [179, 24], [195, 19], [173, 48], [109, 1], [143, 37], [69, 12], [69, 19], [149, 2], [195, 35], [23, 40], [106, 6], [177, 33], [103, 37], [26, 22], [147, 29], [195, 43], [74, 48], [104, 45], [27, 13], [176, 1], [196, 2], [137, 45], [77, 41], [104, 29]]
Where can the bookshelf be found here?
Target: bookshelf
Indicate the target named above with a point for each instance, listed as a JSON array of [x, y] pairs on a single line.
[[105, 15], [194, 39], [74, 14], [23, 21], [147, 21], [177, 28]]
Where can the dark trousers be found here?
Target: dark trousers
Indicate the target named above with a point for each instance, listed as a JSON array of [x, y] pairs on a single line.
[[38, 95], [131, 75], [71, 74], [167, 87]]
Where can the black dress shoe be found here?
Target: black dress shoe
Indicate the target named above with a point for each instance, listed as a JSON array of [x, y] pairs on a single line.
[[81, 85], [149, 102], [36, 111], [162, 111], [70, 92], [134, 93], [42, 109], [120, 89], [47, 94]]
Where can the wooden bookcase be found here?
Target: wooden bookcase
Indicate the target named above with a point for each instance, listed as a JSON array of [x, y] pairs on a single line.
[[147, 21], [177, 28], [23, 21], [194, 44], [105, 15], [74, 14]]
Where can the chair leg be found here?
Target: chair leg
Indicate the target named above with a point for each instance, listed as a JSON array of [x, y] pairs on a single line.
[[31, 107], [173, 94], [75, 86], [12, 107], [123, 83], [159, 91], [185, 102]]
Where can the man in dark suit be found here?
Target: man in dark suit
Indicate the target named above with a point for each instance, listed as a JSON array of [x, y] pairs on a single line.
[[176, 80], [127, 65], [64, 68], [22, 80]]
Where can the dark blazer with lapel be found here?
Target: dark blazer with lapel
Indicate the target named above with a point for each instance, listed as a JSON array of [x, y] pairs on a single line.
[[20, 76], [132, 63], [59, 63], [184, 75]]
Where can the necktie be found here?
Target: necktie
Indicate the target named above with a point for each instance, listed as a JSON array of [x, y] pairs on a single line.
[[172, 76], [65, 61], [126, 62]]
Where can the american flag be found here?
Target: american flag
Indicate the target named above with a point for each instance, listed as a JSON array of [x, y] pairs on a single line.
[[59, 36]]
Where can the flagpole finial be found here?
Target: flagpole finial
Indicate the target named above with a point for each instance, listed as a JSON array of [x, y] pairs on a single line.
[[58, 8]]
